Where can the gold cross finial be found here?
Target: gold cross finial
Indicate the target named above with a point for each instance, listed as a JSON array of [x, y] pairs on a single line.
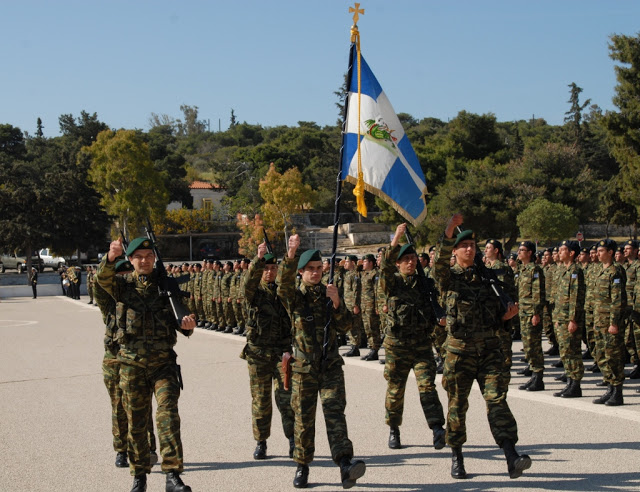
[[356, 12]]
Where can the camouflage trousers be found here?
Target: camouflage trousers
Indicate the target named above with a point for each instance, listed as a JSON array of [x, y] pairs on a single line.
[[399, 361], [439, 336], [486, 366], [610, 352], [119, 425], [208, 309], [570, 345], [229, 318], [219, 314], [371, 324], [636, 331], [629, 336], [238, 314], [262, 375], [590, 336], [355, 334], [548, 324], [90, 292], [507, 354], [305, 387], [139, 378], [532, 342], [199, 306]]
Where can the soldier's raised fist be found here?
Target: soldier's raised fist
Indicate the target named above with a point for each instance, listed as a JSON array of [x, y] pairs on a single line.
[[115, 250]]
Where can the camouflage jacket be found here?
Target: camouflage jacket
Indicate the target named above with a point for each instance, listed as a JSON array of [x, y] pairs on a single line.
[[609, 295], [225, 286], [550, 272], [268, 324], [307, 308], [531, 289], [352, 289], [570, 290], [473, 310], [107, 306], [505, 274], [409, 318], [368, 281], [631, 270], [145, 321]]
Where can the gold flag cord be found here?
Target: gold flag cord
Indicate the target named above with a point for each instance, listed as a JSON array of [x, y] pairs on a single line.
[[359, 189]]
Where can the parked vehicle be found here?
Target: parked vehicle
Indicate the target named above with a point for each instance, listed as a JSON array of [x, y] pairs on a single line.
[[18, 262], [51, 261]]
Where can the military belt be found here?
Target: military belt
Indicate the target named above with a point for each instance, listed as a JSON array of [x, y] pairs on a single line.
[[473, 334]]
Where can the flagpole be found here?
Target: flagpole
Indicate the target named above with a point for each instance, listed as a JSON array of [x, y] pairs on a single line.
[[336, 215]]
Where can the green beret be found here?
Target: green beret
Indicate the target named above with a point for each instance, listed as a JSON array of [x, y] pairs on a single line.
[[407, 249], [307, 256], [124, 266], [468, 234], [369, 257], [352, 258], [269, 259], [139, 243]]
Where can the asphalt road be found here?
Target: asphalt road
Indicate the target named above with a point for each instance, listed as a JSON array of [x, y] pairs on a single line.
[[56, 426]]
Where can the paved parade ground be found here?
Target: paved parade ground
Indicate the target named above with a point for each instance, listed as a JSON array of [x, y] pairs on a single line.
[[56, 421]]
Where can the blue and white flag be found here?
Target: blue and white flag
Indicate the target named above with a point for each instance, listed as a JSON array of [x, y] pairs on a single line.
[[390, 167]]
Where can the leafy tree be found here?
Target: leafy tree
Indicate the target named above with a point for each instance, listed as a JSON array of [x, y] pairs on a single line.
[[184, 220], [574, 115], [191, 125], [122, 172], [39, 127], [547, 222], [284, 195], [251, 234], [84, 129], [12, 144]]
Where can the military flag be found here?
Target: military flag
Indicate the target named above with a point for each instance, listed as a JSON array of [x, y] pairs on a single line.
[[376, 153]]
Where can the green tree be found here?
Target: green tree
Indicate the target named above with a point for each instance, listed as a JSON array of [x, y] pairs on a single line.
[[122, 172], [547, 222], [574, 116]]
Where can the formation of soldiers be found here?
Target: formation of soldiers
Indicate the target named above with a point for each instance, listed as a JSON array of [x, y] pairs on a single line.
[[434, 312]]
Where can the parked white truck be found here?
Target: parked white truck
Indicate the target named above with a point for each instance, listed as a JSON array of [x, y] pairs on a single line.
[[51, 261]]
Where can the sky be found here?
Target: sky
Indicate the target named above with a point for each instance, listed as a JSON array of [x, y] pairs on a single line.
[[277, 62]]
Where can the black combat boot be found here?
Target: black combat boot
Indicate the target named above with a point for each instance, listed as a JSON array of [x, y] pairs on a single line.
[[175, 483], [438, 437], [354, 352], [200, 323], [301, 479], [516, 463], [635, 372], [121, 460], [457, 464], [139, 483], [586, 355], [394, 438], [351, 471], [237, 330], [527, 384], [605, 397], [207, 325], [439, 365], [261, 451], [574, 391], [229, 329], [372, 355], [616, 397], [292, 446], [561, 377], [536, 382], [559, 364], [526, 371], [602, 384], [565, 389], [554, 350], [593, 368]]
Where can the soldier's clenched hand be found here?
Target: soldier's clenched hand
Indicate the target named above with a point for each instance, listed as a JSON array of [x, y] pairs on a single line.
[[115, 250], [294, 243], [188, 322], [332, 293], [400, 230], [455, 221], [262, 249]]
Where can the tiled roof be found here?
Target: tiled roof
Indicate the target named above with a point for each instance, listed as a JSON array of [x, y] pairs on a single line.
[[204, 185]]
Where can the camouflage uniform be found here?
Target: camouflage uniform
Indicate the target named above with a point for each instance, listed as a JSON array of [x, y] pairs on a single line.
[[370, 319], [238, 300], [220, 302], [631, 272], [352, 298], [91, 280], [531, 299], [407, 344], [227, 306], [609, 300], [307, 308], [146, 334], [197, 295], [569, 306], [268, 337], [473, 350], [589, 281], [548, 321]]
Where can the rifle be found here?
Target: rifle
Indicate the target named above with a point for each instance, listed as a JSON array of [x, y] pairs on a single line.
[[489, 277], [428, 284], [167, 286], [266, 241], [125, 241]]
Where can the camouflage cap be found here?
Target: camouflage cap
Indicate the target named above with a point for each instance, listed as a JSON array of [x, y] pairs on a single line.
[[463, 236], [406, 250], [270, 259], [139, 243], [609, 244], [530, 245], [124, 266], [307, 256]]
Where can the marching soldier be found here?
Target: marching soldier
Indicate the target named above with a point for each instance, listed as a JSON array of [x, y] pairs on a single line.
[[408, 345], [370, 319], [474, 319], [314, 374], [352, 299], [268, 338]]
